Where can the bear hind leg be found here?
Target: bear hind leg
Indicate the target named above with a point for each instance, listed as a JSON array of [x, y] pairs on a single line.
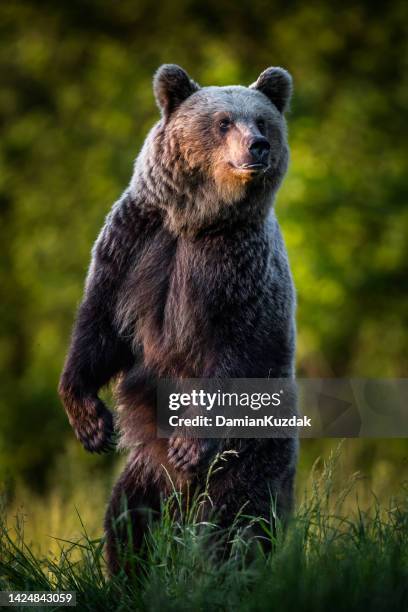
[[131, 510]]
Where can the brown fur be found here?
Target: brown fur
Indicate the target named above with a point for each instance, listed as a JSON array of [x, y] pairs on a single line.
[[190, 279]]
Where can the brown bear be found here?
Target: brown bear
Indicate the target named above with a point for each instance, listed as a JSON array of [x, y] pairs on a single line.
[[189, 278]]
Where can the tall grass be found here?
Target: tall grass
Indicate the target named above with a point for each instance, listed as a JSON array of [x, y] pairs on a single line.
[[326, 559]]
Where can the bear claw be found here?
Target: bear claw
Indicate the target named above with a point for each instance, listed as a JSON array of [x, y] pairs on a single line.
[[188, 454], [95, 428]]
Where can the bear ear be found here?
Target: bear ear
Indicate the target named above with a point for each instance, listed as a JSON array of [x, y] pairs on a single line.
[[171, 86], [276, 84]]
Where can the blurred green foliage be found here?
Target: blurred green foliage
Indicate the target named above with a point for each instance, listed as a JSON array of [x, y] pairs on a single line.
[[75, 105]]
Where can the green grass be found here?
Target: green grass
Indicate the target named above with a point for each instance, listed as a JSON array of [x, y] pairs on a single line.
[[327, 559]]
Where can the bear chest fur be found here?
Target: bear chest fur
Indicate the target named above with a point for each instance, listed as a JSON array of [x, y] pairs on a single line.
[[182, 296]]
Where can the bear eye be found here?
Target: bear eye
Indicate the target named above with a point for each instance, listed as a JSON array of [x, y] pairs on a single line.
[[224, 124], [261, 124]]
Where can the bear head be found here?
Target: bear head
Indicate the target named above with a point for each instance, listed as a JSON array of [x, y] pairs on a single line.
[[216, 147]]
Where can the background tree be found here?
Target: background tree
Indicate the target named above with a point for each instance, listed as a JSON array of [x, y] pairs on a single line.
[[75, 105]]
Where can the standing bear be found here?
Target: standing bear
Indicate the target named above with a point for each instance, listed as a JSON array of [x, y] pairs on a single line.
[[189, 278]]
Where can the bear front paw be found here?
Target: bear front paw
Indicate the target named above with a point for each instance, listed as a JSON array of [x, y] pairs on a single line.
[[188, 454], [93, 426]]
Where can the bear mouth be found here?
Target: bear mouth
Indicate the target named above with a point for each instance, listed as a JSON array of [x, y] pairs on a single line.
[[257, 168]]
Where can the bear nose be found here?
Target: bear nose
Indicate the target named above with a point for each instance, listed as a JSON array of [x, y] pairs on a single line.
[[259, 148]]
